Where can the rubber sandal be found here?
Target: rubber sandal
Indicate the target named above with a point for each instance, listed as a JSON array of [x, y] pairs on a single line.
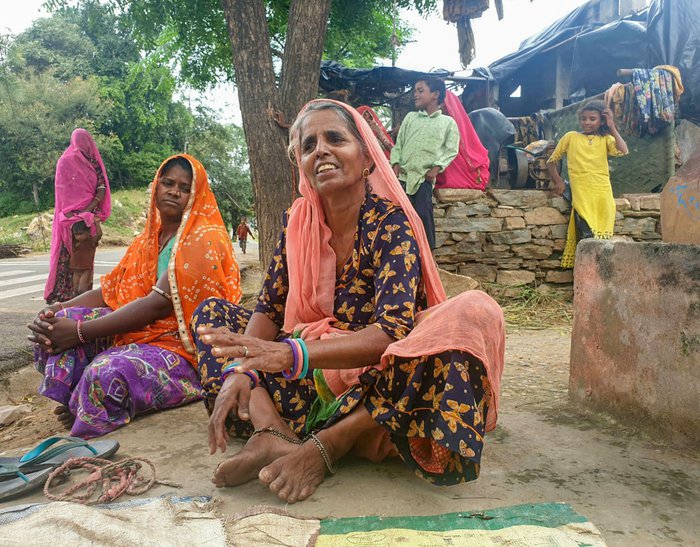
[[51, 453], [22, 483]]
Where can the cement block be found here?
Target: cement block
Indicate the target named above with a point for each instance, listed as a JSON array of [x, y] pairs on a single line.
[[635, 349]]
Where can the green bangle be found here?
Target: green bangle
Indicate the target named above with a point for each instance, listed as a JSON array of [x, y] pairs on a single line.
[[305, 353]]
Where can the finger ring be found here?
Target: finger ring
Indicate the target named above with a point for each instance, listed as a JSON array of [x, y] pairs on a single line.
[[245, 351]]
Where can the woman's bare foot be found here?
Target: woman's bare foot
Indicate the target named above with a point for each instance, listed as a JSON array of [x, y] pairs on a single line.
[[64, 416], [296, 476], [259, 451]]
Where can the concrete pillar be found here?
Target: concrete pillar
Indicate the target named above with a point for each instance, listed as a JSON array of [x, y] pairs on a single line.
[[635, 346]]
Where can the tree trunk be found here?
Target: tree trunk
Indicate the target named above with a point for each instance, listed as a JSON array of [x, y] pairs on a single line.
[[259, 98]]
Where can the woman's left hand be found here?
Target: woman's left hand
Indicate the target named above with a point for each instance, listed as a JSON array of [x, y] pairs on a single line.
[[254, 353]]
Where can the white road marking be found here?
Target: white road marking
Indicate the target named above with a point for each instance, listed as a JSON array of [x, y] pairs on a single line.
[[11, 293], [14, 272], [20, 280]]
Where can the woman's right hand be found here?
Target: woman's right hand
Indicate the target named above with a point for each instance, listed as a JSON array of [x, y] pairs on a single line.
[[559, 187], [234, 396]]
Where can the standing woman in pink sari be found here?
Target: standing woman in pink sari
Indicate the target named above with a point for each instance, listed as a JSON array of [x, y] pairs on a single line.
[[82, 196], [470, 169]]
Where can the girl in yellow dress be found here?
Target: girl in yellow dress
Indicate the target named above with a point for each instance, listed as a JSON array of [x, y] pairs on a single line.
[[587, 151]]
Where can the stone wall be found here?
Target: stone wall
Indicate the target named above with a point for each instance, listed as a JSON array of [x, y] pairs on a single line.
[[635, 341], [515, 237]]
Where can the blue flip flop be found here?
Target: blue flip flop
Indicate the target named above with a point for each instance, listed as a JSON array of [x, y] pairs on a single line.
[[14, 482], [55, 451]]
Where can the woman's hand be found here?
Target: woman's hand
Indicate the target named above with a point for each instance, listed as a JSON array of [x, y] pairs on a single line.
[[61, 333], [234, 396], [255, 353], [42, 325]]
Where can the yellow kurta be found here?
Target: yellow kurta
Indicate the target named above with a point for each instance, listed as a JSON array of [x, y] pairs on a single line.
[[591, 191]]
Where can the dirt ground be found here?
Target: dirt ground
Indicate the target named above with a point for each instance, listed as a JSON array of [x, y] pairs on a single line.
[[632, 485]]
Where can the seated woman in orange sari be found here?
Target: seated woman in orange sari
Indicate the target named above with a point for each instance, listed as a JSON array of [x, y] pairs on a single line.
[[352, 346], [125, 348]]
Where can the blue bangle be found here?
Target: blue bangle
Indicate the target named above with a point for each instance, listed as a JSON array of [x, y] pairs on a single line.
[[305, 353], [228, 369]]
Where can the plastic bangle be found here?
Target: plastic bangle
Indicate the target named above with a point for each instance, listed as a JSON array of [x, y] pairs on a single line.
[[228, 369], [296, 350], [305, 353], [254, 378], [80, 331]]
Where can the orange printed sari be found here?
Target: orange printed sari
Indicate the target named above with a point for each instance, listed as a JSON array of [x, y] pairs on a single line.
[[202, 264]]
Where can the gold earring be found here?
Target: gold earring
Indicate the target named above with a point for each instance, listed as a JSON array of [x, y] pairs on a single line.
[[365, 172]]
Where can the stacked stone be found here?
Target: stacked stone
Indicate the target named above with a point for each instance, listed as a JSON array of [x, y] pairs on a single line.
[[515, 237]]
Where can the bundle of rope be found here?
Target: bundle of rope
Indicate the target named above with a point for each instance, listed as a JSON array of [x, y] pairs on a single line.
[[116, 479]]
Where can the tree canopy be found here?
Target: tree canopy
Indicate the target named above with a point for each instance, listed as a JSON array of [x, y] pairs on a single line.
[[276, 47], [82, 68]]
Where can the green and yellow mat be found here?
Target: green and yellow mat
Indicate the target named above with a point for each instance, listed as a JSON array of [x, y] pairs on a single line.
[[191, 521]]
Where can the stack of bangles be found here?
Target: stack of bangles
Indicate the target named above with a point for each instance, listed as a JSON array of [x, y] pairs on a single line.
[[301, 359], [232, 367]]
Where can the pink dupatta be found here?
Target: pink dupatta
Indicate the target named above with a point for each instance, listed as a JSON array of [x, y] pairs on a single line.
[[75, 187], [470, 169], [311, 267]]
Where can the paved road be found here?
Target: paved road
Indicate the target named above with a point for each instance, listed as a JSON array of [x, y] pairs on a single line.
[[22, 283]]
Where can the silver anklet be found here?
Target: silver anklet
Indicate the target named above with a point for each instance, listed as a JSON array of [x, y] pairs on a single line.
[[324, 453], [273, 431]]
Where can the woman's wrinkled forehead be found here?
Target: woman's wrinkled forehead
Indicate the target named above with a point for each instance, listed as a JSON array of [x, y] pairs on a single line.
[[339, 122]]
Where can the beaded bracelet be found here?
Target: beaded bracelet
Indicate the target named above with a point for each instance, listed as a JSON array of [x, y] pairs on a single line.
[[80, 332]]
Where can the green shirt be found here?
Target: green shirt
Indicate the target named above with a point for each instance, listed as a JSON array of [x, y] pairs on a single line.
[[424, 141], [164, 258]]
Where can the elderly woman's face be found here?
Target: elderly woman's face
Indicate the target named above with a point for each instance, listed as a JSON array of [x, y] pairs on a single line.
[[331, 157]]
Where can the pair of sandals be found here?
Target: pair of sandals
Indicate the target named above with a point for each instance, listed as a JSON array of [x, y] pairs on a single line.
[[20, 475]]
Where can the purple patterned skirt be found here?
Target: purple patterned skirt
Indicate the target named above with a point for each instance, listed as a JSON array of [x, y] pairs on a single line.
[[105, 386]]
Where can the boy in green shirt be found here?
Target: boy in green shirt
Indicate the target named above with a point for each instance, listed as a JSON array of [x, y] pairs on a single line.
[[427, 142]]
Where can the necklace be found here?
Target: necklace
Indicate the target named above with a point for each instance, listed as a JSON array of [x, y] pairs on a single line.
[[590, 139]]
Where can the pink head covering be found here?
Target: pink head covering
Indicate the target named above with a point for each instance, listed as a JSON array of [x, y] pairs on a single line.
[[310, 258], [470, 169], [75, 187]]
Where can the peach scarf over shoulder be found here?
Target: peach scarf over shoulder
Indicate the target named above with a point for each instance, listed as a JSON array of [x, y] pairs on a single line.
[[311, 267], [202, 264]]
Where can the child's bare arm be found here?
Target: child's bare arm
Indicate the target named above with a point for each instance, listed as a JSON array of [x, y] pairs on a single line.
[[620, 143], [555, 177]]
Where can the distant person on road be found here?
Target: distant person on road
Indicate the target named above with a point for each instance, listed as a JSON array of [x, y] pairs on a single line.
[[82, 261], [427, 143], [242, 233], [82, 195], [125, 348], [587, 151]]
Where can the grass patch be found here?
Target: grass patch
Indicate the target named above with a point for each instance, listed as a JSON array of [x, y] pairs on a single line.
[[128, 219], [533, 308]]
